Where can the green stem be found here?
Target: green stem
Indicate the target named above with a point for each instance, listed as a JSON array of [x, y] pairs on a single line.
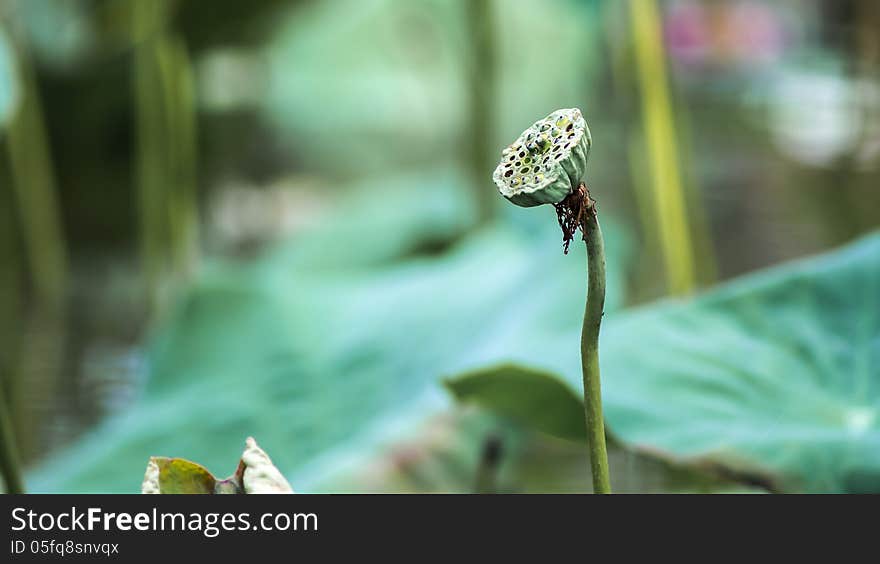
[[590, 350], [490, 460], [661, 142], [10, 467], [36, 192], [482, 78], [166, 152]]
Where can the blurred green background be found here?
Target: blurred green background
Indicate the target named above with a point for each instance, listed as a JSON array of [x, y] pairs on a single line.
[[221, 219]]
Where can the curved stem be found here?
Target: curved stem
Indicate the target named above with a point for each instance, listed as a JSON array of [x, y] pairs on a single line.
[[590, 348]]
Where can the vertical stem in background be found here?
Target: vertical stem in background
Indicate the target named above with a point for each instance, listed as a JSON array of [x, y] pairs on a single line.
[[482, 80], [166, 152], [490, 461], [706, 262], [862, 186], [42, 334], [10, 465], [10, 324], [150, 176], [669, 197], [36, 192], [593, 313], [180, 153], [11, 297]]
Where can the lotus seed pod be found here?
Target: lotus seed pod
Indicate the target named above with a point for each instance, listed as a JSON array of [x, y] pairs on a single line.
[[547, 162]]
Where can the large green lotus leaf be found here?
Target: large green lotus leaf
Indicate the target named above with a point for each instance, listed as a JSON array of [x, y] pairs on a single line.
[[779, 371], [774, 376], [325, 354]]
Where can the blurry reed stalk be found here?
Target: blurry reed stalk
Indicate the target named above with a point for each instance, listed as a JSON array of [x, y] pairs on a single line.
[[11, 297], [859, 185], [166, 152], [669, 202], [35, 191], [10, 465], [705, 259], [481, 83], [37, 359], [489, 465]]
